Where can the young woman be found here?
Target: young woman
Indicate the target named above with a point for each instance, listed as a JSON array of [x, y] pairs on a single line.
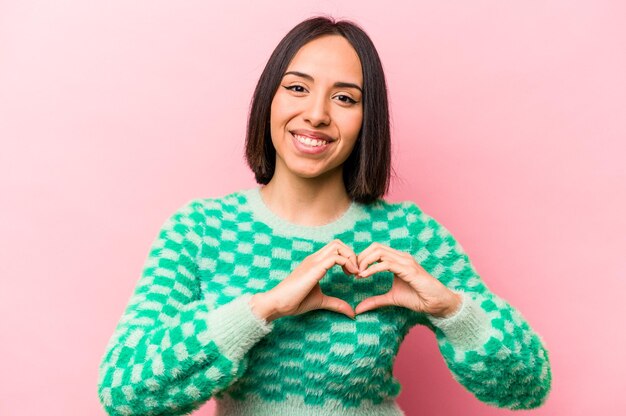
[[292, 298]]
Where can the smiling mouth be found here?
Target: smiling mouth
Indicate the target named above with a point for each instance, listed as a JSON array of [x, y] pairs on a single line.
[[309, 141]]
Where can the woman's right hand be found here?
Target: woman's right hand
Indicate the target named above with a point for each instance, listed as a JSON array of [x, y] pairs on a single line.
[[300, 292]]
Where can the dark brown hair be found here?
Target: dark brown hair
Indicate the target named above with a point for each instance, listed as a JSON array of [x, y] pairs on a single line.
[[367, 171]]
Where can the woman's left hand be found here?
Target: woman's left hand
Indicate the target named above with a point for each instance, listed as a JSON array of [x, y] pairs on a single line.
[[412, 287]]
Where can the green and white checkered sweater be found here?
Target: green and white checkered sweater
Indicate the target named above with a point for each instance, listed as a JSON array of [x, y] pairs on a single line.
[[188, 333]]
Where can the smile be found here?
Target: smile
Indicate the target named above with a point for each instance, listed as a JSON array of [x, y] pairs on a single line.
[[310, 146], [309, 142]]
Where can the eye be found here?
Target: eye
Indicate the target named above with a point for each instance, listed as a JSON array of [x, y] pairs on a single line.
[[295, 88], [345, 99]]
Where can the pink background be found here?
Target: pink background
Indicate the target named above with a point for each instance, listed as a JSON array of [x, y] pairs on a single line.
[[508, 127]]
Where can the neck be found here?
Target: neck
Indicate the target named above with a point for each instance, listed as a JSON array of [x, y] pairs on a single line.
[[305, 201]]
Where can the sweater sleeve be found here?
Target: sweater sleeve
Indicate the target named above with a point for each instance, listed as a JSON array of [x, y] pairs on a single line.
[[172, 350], [486, 343]]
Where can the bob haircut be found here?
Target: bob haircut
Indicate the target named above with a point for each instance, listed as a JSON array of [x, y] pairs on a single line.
[[367, 171]]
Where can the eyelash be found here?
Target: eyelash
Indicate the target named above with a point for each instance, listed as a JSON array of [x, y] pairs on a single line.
[[349, 101]]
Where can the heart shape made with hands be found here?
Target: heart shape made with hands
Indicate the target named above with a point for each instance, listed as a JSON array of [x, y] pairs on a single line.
[[412, 286]]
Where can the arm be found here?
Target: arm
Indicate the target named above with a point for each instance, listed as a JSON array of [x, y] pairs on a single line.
[[487, 345], [171, 350]]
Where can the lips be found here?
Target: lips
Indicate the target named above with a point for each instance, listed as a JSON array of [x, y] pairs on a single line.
[[310, 145], [307, 141], [314, 135]]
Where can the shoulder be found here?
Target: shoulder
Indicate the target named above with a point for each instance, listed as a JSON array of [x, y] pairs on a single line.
[[218, 204], [212, 210], [407, 210], [419, 223]]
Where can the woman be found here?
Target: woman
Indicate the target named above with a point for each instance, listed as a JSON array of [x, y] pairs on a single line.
[[292, 298]]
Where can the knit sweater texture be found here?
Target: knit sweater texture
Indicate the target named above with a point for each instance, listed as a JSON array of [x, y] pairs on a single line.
[[188, 333]]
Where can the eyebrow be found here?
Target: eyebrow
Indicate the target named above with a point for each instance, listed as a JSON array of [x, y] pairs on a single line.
[[338, 84]]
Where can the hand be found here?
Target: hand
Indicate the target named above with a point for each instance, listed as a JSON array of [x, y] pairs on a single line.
[[412, 287], [300, 292]]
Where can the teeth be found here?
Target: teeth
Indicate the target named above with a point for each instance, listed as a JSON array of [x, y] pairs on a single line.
[[309, 142]]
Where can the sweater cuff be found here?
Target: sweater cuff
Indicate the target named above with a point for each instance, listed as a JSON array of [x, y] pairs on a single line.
[[468, 328], [235, 328]]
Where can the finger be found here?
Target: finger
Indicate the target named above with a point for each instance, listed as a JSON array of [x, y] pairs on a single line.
[[365, 252], [337, 305], [372, 303], [328, 261], [374, 247], [379, 253], [350, 271], [336, 247], [345, 263], [375, 268], [350, 265], [333, 245], [347, 252]]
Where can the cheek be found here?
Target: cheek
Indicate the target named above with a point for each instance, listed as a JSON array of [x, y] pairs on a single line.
[[351, 124], [281, 109]]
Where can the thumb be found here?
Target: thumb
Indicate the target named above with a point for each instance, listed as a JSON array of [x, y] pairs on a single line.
[[337, 305], [372, 303]]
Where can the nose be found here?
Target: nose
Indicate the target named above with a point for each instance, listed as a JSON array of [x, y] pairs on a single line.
[[316, 111]]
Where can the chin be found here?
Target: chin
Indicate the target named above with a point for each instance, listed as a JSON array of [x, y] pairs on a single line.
[[308, 175], [306, 171], [309, 169]]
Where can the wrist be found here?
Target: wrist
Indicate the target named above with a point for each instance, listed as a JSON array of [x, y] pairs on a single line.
[[262, 307], [453, 307]]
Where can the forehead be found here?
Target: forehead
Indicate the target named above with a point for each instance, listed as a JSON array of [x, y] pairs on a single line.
[[329, 56]]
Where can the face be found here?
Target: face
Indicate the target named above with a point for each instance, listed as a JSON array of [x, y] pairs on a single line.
[[317, 111]]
